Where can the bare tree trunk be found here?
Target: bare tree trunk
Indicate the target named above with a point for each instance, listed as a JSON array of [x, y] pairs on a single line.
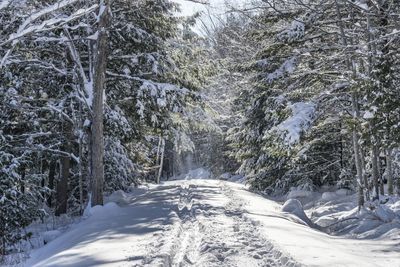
[[22, 182], [52, 174], [357, 159], [62, 186], [366, 183], [80, 163], [158, 154], [380, 177], [389, 170], [65, 165], [375, 176], [161, 160], [99, 80]]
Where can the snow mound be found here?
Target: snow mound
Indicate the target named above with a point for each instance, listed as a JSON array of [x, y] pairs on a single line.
[[343, 192], [337, 213], [225, 176], [138, 190], [384, 213], [238, 179], [107, 209], [294, 207], [328, 196], [235, 178], [119, 197]]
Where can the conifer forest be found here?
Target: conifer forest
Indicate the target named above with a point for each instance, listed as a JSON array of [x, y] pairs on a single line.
[[199, 133]]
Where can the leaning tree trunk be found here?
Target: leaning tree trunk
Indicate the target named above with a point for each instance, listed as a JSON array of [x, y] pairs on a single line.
[[99, 80]]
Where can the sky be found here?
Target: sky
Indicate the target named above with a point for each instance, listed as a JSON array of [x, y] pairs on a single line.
[[188, 8], [216, 7]]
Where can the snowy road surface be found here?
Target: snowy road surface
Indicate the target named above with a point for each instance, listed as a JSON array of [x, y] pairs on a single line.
[[204, 223]]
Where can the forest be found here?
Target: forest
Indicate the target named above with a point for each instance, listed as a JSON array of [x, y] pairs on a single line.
[[291, 97]]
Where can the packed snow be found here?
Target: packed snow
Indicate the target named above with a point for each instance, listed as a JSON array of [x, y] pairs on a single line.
[[207, 222]]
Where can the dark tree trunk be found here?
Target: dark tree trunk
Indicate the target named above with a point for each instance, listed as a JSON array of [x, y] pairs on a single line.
[[375, 175], [23, 173], [52, 174], [389, 170], [65, 164]]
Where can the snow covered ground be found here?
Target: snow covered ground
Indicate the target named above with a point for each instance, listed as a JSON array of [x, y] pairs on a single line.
[[200, 222]]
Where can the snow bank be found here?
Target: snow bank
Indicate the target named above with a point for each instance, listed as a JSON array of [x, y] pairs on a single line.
[[238, 178], [294, 207], [119, 197], [107, 209], [225, 176], [337, 213], [328, 196]]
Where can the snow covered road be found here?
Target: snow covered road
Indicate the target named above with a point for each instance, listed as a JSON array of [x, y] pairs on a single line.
[[204, 223]]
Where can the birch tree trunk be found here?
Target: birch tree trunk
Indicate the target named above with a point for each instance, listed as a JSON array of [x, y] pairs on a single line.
[[99, 80]]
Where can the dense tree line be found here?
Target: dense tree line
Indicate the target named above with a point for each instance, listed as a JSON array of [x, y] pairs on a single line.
[[319, 94], [90, 92], [97, 96]]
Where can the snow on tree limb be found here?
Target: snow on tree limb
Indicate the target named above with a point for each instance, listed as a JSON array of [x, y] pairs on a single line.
[[26, 29], [50, 24], [4, 4]]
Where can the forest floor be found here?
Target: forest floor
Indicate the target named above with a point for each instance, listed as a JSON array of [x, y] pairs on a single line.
[[203, 223]]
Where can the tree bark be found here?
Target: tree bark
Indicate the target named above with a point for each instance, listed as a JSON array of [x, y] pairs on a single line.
[[62, 186], [52, 174], [99, 80], [65, 166], [389, 170], [357, 156], [80, 164], [375, 176], [380, 176], [161, 160]]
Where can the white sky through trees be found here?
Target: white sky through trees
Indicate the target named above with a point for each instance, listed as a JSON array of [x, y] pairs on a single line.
[[215, 8]]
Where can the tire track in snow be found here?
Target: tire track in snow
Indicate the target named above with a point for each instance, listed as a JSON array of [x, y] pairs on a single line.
[[179, 247], [206, 235], [185, 251]]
